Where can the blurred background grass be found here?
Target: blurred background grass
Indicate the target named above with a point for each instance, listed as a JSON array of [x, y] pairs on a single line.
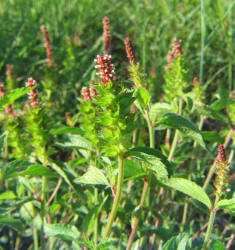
[[206, 28]]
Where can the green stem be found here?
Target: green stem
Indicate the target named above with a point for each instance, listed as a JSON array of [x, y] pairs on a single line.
[[35, 232], [96, 220], [230, 46], [43, 201], [189, 177], [210, 225], [146, 187], [151, 130], [176, 136], [117, 197], [203, 37]]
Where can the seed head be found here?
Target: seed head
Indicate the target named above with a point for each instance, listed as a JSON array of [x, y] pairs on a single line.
[[130, 51]]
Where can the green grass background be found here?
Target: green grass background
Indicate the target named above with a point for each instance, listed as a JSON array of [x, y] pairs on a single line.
[[205, 27]]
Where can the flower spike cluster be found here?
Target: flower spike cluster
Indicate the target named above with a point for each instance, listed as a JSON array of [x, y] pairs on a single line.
[[105, 69], [33, 94]]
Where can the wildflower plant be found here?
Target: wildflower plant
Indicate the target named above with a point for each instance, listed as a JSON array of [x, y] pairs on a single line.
[[111, 172]]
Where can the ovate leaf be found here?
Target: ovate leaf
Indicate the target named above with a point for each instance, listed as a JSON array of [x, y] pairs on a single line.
[[142, 97], [67, 130], [177, 242], [159, 109], [185, 126], [75, 141], [93, 176], [212, 136], [62, 231], [190, 188], [7, 195], [226, 204], [153, 159], [36, 170], [132, 170], [13, 223]]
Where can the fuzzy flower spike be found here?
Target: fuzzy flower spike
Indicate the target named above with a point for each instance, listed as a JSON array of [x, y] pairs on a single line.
[[105, 69], [33, 94]]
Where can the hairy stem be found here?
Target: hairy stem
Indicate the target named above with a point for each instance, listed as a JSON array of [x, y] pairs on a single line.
[[146, 185], [96, 220], [117, 197], [210, 224]]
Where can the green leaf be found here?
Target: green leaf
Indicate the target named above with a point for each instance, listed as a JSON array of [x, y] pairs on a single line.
[[75, 141], [2, 141], [212, 136], [153, 159], [61, 172], [16, 224], [35, 170], [185, 126], [89, 221], [105, 243], [13, 95], [93, 176], [132, 170], [161, 232], [86, 242], [217, 245], [159, 109], [177, 242], [226, 204], [142, 96], [7, 195], [14, 167], [190, 188], [62, 231], [212, 113], [67, 130]]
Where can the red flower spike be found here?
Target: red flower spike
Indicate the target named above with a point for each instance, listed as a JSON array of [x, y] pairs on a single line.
[[195, 80], [105, 69], [9, 71], [221, 156], [2, 92], [33, 94], [177, 48], [130, 51], [88, 93], [47, 45], [106, 35]]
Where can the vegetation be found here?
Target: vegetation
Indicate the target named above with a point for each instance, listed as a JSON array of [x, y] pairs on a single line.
[[139, 155]]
